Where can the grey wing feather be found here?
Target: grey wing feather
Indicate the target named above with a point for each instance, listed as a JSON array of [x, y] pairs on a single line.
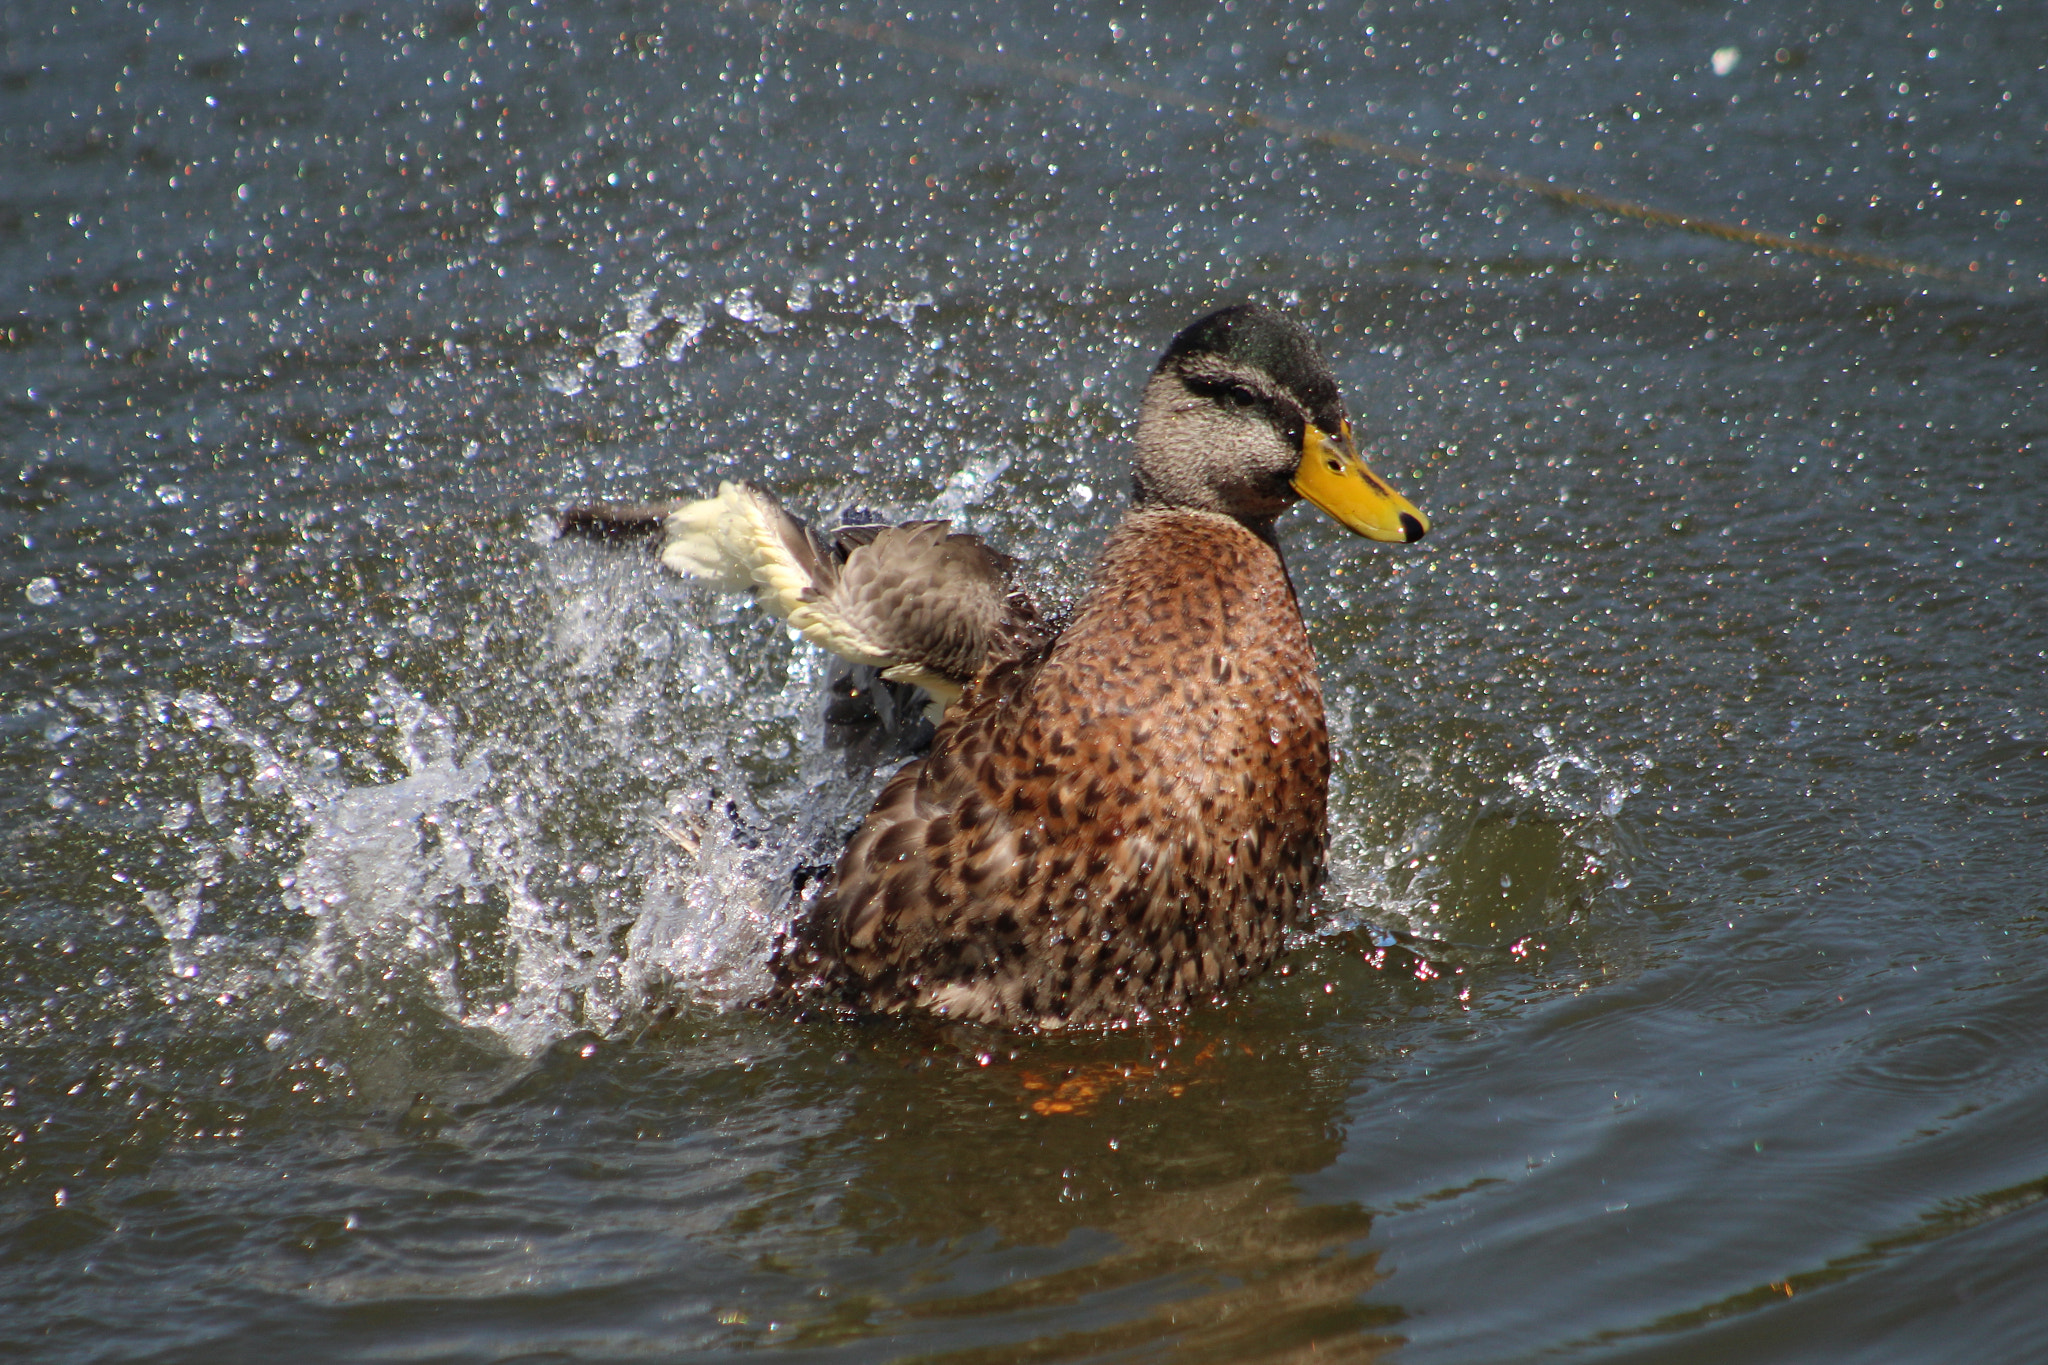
[[929, 599]]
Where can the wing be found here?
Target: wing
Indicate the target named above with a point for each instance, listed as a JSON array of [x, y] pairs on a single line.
[[919, 604]]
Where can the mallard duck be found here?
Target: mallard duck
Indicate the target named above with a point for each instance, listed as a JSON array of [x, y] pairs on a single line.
[[1117, 817]]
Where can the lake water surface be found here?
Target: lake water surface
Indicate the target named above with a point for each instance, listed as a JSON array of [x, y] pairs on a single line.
[[352, 824]]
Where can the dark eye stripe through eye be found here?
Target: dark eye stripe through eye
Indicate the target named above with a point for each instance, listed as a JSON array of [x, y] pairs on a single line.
[[1226, 393]]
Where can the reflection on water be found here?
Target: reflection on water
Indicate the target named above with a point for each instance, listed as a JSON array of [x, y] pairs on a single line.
[[381, 874], [1041, 1182]]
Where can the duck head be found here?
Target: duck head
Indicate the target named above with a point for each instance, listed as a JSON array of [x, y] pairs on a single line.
[[1243, 417]]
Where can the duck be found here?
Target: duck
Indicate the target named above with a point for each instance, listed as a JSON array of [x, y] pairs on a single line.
[[1121, 813]]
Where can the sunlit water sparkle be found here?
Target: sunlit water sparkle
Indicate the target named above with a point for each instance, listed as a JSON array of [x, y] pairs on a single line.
[[387, 880]]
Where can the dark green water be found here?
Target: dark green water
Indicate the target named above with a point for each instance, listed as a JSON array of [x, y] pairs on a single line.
[[349, 822]]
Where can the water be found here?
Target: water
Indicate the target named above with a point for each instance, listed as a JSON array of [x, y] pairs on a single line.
[[382, 877]]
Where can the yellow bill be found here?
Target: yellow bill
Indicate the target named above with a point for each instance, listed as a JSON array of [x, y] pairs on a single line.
[[1333, 478]]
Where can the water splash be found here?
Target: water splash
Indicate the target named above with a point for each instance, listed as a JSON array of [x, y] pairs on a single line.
[[1458, 852], [742, 307], [1572, 783], [626, 344], [597, 802], [380, 863], [969, 485]]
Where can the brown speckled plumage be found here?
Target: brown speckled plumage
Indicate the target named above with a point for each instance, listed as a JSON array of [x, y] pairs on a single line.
[[1123, 818], [1124, 821]]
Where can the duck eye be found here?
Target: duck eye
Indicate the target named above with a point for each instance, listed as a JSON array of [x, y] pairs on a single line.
[[1225, 393], [1336, 466]]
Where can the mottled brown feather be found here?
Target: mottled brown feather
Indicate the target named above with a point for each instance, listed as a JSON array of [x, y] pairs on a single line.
[[1007, 879]]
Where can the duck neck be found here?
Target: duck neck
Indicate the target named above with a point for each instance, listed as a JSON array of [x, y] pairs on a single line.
[[1183, 548]]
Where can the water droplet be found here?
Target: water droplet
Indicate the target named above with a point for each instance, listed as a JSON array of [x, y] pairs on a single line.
[[742, 307], [1080, 495], [42, 591], [170, 495], [212, 791], [690, 324], [652, 640], [904, 311], [1725, 59]]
